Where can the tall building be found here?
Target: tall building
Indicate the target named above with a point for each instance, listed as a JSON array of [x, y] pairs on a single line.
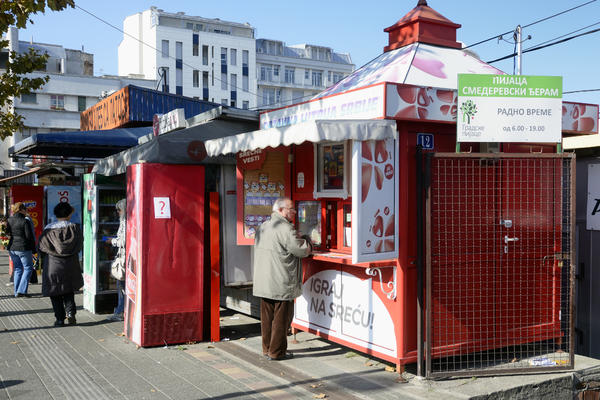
[[71, 89], [209, 59], [293, 74]]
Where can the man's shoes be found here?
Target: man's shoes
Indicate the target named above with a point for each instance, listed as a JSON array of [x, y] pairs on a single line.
[[71, 320], [59, 322], [23, 295], [287, 356]]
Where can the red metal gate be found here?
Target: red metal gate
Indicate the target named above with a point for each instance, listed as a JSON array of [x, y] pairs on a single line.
[[499, 263]]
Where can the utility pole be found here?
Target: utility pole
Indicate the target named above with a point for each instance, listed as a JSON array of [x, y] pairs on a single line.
[[518, 33]]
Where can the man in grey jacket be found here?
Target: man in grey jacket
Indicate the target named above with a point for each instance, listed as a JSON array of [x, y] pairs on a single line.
[[278, 276]]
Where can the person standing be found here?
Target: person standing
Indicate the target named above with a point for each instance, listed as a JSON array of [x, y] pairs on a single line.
[[59, 246], [119, 243], [278, 276], [20, 247]]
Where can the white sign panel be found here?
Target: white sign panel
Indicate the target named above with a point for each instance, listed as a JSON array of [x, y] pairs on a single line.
[[344, 306], [507, 108], [593, 198], [162, 207], [366, 103], [173, 120], [63, 194], [374, 200]]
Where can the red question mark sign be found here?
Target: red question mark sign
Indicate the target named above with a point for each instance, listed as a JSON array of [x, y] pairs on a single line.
[[162, 206]]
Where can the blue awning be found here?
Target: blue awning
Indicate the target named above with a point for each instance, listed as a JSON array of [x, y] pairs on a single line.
[[78, 144]]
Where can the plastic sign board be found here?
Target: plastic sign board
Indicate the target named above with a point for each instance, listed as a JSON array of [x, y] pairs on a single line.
[[593, 198], [374, 200], [509, 108], [346, 307], [364, 103], [63, 194], [171, 121], [425, 140], [162, 208]]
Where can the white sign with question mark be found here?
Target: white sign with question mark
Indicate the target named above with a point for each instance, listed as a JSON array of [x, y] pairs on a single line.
[[162, 207]]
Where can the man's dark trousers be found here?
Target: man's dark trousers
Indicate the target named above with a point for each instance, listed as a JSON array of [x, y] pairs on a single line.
[[274, 323]]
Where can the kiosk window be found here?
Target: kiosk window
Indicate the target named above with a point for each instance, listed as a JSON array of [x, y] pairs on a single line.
[[332, 170]]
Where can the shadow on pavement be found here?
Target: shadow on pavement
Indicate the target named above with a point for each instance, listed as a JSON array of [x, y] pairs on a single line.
[[9, 383]]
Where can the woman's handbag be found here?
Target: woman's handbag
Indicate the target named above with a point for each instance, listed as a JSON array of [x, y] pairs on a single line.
[[117, 269]]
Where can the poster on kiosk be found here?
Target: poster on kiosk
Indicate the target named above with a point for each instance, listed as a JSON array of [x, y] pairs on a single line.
[[164, 254]]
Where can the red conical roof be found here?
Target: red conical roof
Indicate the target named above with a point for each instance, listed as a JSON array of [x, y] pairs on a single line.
[[422, 24]]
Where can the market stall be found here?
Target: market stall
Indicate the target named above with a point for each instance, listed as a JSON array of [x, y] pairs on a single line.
[[348, 160]]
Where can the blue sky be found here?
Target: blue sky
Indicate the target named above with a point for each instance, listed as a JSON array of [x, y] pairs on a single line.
[[357, 28]]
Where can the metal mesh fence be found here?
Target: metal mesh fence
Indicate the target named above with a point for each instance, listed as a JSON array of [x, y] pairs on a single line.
[[499, 263]]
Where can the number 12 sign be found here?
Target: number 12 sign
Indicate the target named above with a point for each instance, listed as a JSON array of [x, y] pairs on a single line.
[[162, 208], [425, 140]]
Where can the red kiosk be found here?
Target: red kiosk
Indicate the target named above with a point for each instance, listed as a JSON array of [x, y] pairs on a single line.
[[347, 159]]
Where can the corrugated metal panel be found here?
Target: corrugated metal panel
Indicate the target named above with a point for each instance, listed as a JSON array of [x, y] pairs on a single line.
[[136, 106], [144, 103]]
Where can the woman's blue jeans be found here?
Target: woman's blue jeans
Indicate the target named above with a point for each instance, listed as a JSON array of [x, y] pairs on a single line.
[[121, 297], [22, 270]]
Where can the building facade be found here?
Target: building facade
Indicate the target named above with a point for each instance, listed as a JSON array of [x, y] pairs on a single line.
[[208, 59], [222, 62], [71, 89], [293, 74]]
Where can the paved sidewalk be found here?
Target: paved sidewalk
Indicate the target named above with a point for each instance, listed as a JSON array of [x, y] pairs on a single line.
[[94, 361]]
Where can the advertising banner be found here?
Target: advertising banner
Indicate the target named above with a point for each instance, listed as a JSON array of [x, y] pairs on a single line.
[[63, 194], [374, 200], [33, 198], [363, 103], [593, 198], [507, 108], [344, 306]]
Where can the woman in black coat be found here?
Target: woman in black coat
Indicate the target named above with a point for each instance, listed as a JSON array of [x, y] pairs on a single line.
[[20, 246], [59, 245]]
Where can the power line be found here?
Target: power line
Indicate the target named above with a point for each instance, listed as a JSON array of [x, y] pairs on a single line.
[[582, 91], [547, 45], [561, 36], [525, 26], [154, 48]]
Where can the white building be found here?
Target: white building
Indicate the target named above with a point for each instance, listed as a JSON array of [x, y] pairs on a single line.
[[71, 89], [209, 59], [292, 74]]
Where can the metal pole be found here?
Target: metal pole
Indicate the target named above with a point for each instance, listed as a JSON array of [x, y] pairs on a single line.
[[519, 49], [419, 210]]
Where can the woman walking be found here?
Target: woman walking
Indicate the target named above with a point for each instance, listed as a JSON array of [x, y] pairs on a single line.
[[59, 245], [20, 247], [119, 262]]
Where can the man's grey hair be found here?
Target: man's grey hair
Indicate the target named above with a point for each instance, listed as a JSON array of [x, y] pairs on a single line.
[[280, 203]]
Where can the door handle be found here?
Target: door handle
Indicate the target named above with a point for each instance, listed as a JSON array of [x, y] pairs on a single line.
[[507, 239]]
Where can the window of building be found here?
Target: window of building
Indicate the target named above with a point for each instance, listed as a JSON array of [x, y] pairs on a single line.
[[329, 76], [268, 96], [204, 55], [245, 56], [81, 103], [245, 104], [289, 74], [233, 84], [233, 56], [266, 72], [276, 70], [196, 78], [57, 102], [165, 48], [223, 55], [198, 27], [195, 44], [297, 96], [29, 98], [245, 85], [205, 85], [224, 102], [179, 50], [232, 104], [189, 25], [306, 74], [337, 77], [223, 81], [178, 77], [317, 78]]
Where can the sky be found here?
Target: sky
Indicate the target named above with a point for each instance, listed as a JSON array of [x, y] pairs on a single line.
[[357, 28]]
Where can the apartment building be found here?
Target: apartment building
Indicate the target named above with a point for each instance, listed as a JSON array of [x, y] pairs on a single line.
[[292, 74], [71, 89], [208, 59]]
